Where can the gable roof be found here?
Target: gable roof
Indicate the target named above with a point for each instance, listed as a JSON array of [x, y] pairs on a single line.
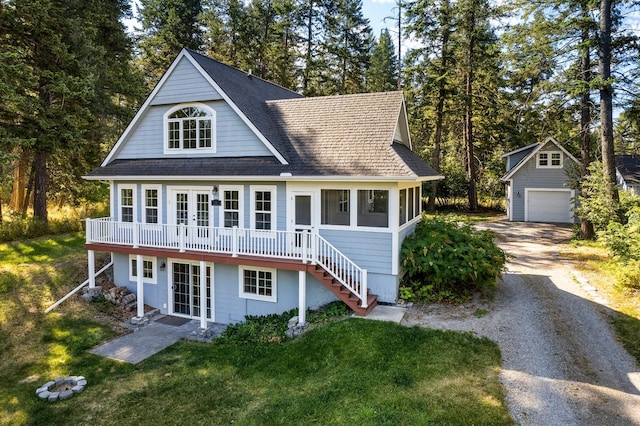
[[629, 167], [532, 154], [347, 135], [524, 148]]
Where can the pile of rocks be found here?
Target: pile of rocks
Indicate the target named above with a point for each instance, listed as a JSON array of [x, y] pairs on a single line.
[[121, 296]]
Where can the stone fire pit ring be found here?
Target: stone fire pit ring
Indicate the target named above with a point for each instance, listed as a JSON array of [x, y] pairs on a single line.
[[61, 388]]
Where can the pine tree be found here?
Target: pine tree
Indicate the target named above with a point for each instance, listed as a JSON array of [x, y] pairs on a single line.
[[72, 51], [349, 41], [382, 74], [167, 27]]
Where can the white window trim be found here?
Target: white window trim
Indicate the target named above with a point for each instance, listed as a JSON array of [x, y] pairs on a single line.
[[144, 202], [391, 216], [549, 156], [154, 269], [274, 206], [274, 284], [240, 189], [134, 197], [348, 203], [197, 149]]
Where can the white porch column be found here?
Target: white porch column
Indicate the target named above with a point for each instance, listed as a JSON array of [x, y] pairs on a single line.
[[203, 294], [140, 286], [91, 260], [302, 297]]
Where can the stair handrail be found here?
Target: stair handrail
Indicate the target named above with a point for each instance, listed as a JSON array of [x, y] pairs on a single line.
[[340, 267]]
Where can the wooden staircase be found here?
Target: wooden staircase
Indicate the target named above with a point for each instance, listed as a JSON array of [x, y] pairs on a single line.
[[343, 293]]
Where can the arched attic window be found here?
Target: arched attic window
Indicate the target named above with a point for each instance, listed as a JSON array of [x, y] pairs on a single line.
[[190, 127]]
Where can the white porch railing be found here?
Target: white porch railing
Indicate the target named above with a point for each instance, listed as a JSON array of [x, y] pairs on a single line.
[[290, 245]]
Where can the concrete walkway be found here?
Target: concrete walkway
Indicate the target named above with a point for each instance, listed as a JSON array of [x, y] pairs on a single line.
[[386, 313], [149, 340]]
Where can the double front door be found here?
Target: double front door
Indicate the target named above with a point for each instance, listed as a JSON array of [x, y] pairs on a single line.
[[188, 299], [191, 207]]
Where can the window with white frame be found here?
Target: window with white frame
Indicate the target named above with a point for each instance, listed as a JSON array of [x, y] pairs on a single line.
[[373, 208], [258, 283], [402, 207], [152, 204], [409, 204], [549, 160], [190, 127], [335, 206], [148, 269], [127, 195], [232, 206], [263, 205]]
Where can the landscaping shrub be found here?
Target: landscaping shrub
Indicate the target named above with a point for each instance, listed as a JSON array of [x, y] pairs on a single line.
[[446, 261], [272, 328], [624, 239]]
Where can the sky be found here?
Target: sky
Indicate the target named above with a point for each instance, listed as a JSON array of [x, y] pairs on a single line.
[[377, 11]]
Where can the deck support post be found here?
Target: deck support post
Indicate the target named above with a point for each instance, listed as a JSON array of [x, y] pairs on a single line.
[[203, 295], [363, 290], [302, 297], [139, 285], [91, 260]]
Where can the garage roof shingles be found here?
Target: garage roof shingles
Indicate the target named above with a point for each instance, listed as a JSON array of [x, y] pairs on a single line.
[[345, 135]]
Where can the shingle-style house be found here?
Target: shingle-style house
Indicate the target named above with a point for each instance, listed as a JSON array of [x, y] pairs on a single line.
[[628, 173], [232, 196], [537, 181]]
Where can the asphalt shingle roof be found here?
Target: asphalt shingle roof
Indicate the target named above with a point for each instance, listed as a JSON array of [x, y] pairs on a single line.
[[629, 168], [347, 135]]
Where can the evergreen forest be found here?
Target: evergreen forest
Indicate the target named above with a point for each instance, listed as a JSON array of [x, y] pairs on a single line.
[[480, 77]]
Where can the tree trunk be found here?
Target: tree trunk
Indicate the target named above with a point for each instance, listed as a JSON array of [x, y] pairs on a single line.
[[606, 102], [586, 226], [399, 4], [28, 192], [20, 167], [309, 57], [40, 186], [468, 114]]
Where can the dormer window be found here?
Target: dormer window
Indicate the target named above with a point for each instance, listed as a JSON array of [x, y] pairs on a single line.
[[190, 128], [549, 160]]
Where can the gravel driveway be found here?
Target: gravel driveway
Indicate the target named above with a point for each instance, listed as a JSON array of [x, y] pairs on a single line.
[[561, 362]]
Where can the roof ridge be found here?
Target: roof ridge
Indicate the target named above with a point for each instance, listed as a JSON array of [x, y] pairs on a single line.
[[329, 97], [236, 69]]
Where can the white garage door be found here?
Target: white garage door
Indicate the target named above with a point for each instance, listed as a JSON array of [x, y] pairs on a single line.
[[548, 206]]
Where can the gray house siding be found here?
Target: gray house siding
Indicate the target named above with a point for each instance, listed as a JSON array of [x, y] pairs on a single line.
[[368, 250], [531, 177], [185, 84], [233, 137], [229, 307]]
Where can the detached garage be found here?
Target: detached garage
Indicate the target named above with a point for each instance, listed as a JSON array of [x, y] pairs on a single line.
[[537, 181]]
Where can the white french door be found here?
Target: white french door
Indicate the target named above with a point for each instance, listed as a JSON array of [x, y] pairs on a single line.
[[187, 300], [191, 207]]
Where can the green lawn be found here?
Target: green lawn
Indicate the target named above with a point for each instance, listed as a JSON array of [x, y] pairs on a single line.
[[347, 372]]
